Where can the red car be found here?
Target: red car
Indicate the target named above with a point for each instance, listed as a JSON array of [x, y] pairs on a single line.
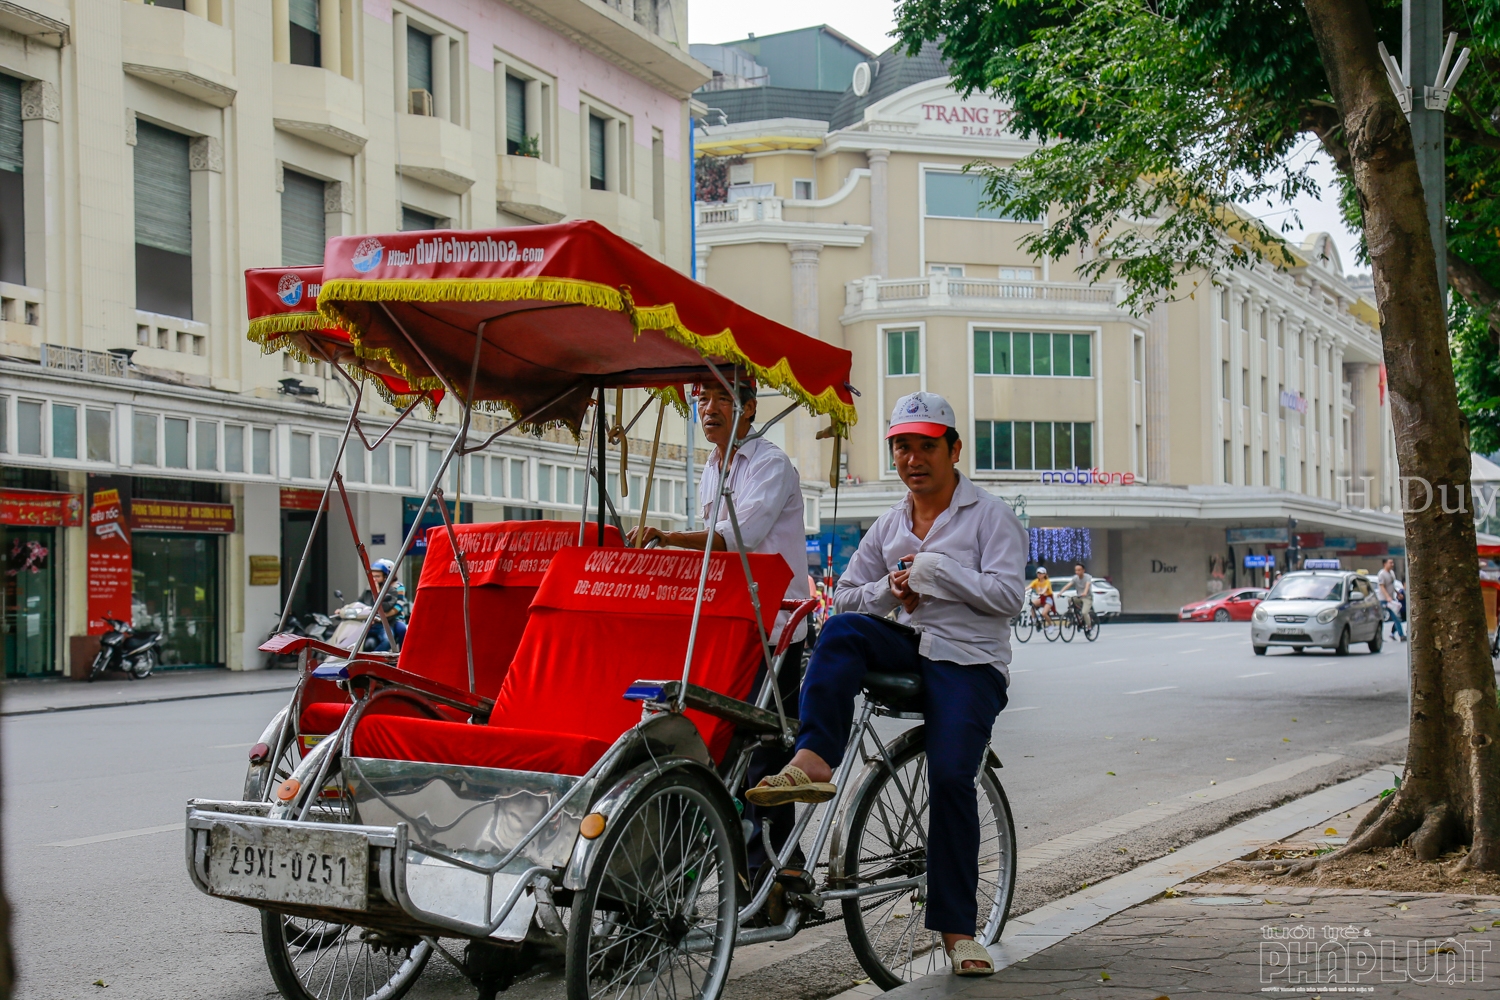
[[1229, 606]]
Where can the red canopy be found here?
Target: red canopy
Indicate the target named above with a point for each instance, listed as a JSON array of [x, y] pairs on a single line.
[[568, 305], [283, 307]]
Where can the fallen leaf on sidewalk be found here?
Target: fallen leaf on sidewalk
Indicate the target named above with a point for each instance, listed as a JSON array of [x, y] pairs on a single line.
[[1330, 832], [1446, 949], [1104, 976], [1285, 740], [1110, 773], [100, 982], [1173, 894]]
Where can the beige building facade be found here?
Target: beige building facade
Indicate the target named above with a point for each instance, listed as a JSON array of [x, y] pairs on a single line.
[[1184, 439], [153, 151]]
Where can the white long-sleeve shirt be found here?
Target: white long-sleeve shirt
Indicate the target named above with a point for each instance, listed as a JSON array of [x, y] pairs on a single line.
[[768, 505], [970, 571]]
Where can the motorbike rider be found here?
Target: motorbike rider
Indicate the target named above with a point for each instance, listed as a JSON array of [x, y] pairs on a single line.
[[391, 619], [768, 504]]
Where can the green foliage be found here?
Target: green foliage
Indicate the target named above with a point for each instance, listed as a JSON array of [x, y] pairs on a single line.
[[530, 146], [1476, 369]]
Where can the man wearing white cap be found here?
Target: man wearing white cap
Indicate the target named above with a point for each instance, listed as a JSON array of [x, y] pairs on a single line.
[[949, 561]]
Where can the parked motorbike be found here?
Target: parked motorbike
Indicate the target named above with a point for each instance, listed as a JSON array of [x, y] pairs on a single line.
[[123, 647], [313, 625]]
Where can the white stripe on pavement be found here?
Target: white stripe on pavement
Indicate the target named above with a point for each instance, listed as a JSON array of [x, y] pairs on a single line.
[[1164, 687], [122, 835], [1023, 708], [1262, 673], [1394, 736]]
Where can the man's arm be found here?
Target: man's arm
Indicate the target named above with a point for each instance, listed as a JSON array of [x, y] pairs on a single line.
[[865, 585], [997, 587]]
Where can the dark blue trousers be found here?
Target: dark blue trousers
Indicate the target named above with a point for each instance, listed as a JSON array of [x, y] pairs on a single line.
[[961, 703]]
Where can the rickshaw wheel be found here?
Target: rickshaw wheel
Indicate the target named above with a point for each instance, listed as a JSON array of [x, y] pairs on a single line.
[[887, 842], [322, 960], [657, 916]]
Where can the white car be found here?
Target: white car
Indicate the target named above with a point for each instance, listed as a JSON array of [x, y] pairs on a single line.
[[1106, 599]]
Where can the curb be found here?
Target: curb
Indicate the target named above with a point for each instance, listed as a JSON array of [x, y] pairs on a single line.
[[50, 709], [1054, 922]]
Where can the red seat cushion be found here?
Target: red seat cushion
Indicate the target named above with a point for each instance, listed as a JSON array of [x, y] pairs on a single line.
[[396, 738], [601, 620]]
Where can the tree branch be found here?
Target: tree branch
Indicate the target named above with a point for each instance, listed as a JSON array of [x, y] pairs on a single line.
[[1465, 279], [1322, 120], [1472, 135]]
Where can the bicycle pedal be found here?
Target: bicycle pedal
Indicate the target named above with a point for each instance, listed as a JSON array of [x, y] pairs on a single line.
[[796, 880]]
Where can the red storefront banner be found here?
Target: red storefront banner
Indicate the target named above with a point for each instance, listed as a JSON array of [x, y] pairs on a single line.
[[109, 562], [293, 498], [42, 509], [174, 515]]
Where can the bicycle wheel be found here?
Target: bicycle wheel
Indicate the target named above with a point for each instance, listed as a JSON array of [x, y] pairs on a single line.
[[1091, 629], [1052, 628], [657, 916], [1021, 627], [1067, 628], [313, 959]]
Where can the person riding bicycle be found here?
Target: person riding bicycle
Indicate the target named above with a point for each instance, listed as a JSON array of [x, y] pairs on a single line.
[[1039, 594], [947, 564], [1081, 587]]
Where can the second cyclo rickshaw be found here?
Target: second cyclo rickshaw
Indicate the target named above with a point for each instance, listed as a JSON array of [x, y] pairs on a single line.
[[546, 769]]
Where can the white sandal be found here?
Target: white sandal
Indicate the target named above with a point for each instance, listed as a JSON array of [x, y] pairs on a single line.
[[791, 785], [969, 950]]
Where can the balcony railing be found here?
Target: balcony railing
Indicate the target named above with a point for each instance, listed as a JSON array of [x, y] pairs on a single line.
[[75, 359], [866, 294], [740, 210]]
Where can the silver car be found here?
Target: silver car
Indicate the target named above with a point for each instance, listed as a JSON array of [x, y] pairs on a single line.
[[1329, 608]]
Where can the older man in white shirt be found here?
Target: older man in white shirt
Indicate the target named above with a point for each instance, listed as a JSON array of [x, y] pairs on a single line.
[[768, 505], [933, 587]]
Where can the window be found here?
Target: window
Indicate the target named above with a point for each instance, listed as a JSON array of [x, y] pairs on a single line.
[[1245, 469], [28, 427], [419, 71], [328, 449], [306, 42], [950, 270], [1281, 460], [414, 221], [206, 441], [143, 439], [234, 447], [96, 433], [303, 228], [175, 443], [802, 189], [518, 478], [961, 196], [1001, 445], [380, 465], [598, 176], [517, 129], [402, 470], [477, 478], [1003, 352], [301, 455], [354, 464], [544, 482], [1228, 464], [12, 194], [4, 424], [1018, 274], [902, 352], [1224, 378], [1264, 388], [1244, 387], [64, 431], [260, 451], [497, 477], [163, 222], [1265, 468], [659, 177]]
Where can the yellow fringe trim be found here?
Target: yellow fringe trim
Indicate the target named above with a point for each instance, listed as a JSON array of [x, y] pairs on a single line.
[[276, 334], [576, 292]]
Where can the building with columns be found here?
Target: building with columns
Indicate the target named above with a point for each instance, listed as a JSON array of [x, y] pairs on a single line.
[[1184, 439], [150, 152]]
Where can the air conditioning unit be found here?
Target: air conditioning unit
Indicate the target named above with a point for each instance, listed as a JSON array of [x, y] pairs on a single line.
[[419, 102]]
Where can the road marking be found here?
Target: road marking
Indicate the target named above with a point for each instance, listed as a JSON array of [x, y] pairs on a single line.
[[1262, 673], [1100, 663], [1023, 708], [1190, 651], [1164, 687], [1089, 836], [122, 835], [232, 746], [1394, 736], [1023, 670]]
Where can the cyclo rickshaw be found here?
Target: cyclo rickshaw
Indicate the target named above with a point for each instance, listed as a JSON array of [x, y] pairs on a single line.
[[546, 769]]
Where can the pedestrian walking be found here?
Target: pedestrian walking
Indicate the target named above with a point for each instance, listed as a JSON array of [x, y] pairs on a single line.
[[1387, 583]]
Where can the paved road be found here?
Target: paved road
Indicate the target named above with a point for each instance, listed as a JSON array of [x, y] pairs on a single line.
[[1197, 730]]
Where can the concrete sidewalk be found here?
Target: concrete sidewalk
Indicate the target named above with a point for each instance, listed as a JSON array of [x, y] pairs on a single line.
[[1242, 941], [32, 697]]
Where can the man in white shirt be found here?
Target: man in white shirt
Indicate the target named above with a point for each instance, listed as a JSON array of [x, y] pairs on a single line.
[[949, 562], [768, 505]]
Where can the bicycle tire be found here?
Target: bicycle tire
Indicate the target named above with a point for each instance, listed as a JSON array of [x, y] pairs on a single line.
[[1052, 629], [1091, 632], [1067, 628], [1021, 627]]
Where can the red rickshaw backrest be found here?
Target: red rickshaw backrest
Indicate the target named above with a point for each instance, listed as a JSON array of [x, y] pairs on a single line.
[[507, 561], [603, 619]]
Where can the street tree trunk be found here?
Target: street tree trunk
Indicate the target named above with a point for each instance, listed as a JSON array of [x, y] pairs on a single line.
[[1450, 794]]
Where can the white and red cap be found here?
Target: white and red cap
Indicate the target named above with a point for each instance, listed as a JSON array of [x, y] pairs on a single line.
[[924, 413]]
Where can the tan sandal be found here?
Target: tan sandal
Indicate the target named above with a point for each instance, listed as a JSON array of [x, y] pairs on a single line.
[[969, 950], [791, 785]]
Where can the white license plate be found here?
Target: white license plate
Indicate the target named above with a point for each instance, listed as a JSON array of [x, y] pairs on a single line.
[[316, 867]]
